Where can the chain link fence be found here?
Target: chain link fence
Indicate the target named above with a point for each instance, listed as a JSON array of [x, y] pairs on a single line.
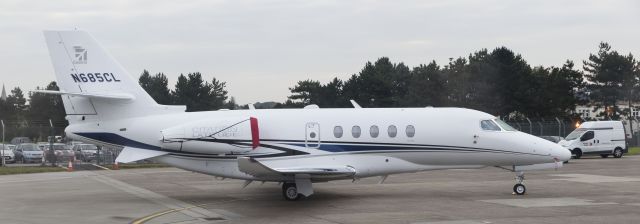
[[563, 126], [45, 132]]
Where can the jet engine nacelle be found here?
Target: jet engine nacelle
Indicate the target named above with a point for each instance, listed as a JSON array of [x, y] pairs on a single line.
[[213, 136]]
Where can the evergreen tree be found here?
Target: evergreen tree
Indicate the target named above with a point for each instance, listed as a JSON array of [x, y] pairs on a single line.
[[156, 86], [306, 92], [612, 76], [43, 107], [198, 95], [426, 87], [218, 94], [16, 106]]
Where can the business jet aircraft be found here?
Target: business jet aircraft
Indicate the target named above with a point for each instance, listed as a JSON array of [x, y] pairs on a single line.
[[296, 147]]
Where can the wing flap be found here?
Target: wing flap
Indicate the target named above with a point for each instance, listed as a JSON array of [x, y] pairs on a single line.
[[131, 154]]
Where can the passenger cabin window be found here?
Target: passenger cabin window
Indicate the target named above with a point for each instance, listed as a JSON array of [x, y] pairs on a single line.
[[374, 131], [489, 125], [355, 131], [392, 131], [337, 131], [411, 131]]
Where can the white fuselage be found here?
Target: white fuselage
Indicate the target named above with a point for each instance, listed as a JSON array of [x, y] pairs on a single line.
[[443, 138]]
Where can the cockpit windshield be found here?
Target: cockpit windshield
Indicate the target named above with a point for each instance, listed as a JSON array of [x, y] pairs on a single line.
[[575, 134], [504, 125], [489, 125], [495, 125]]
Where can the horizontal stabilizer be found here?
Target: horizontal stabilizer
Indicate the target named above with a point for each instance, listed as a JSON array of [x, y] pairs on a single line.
[[130, 154], [109, 96]]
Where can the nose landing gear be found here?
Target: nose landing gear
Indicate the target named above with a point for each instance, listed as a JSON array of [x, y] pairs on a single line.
[[519, 188]]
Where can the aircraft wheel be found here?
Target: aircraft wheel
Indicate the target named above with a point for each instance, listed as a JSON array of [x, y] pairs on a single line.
[[604, 155], [617, 153], [519, 189], [290, 192]]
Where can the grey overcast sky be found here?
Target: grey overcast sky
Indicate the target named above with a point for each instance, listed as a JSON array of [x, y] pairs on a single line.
[[260, 48]]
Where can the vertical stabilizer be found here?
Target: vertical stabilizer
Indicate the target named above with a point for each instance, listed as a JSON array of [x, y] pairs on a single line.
[[82, 66]]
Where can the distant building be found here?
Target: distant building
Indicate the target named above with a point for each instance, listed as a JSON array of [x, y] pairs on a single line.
[[4, 94], [589, 112]]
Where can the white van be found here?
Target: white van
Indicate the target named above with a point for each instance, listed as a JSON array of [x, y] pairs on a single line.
[[597, 137]]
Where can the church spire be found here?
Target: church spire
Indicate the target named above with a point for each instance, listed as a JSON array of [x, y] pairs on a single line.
[[4, 94]]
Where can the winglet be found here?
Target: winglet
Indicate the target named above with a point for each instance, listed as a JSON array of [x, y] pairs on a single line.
[[355, 105]]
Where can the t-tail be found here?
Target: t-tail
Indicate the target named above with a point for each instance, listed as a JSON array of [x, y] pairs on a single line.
[[93, 86]]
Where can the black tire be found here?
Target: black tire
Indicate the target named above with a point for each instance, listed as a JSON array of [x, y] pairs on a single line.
[[577, 153], [604, 155], [617, 153], [519, 189], [290, 192]]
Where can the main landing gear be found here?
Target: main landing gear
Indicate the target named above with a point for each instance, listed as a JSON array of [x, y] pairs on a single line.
[[519, 188], [290, 192]]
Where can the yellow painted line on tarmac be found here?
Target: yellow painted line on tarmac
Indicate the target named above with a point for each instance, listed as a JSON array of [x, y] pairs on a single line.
[[158, 214]]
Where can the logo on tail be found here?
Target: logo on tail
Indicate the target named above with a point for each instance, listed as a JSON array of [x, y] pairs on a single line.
[[81, 55]]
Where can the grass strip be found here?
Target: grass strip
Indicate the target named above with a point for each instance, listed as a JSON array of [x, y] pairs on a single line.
[[28, 169], [142, 165], [634, 151]]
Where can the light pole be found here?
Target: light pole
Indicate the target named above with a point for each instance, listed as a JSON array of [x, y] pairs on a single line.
[[3, 143], [51, 150]]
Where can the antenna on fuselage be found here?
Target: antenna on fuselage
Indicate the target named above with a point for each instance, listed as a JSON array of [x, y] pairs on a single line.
[[355, 104]]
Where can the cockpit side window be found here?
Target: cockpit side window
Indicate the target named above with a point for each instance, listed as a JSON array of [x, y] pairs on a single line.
[[489, 125]]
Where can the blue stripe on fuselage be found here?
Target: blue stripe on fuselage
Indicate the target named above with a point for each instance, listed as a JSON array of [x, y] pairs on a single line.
[[353, 148], [116, 140]]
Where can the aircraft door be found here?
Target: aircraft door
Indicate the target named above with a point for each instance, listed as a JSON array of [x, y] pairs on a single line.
[[312, 131]]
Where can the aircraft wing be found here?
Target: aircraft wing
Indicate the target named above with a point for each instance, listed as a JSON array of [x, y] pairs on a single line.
[[256, 168], [131, 154], [110, 96]]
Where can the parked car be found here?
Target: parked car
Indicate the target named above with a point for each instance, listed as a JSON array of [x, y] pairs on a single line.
[[28, 152], [42, 144], [9, 146], [597, 137], [554, 139], [62, 152], [7, 152], [85, 152], [20, 140]]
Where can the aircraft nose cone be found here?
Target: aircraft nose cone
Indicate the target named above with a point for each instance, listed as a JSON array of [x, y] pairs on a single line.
[[562, 153]]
